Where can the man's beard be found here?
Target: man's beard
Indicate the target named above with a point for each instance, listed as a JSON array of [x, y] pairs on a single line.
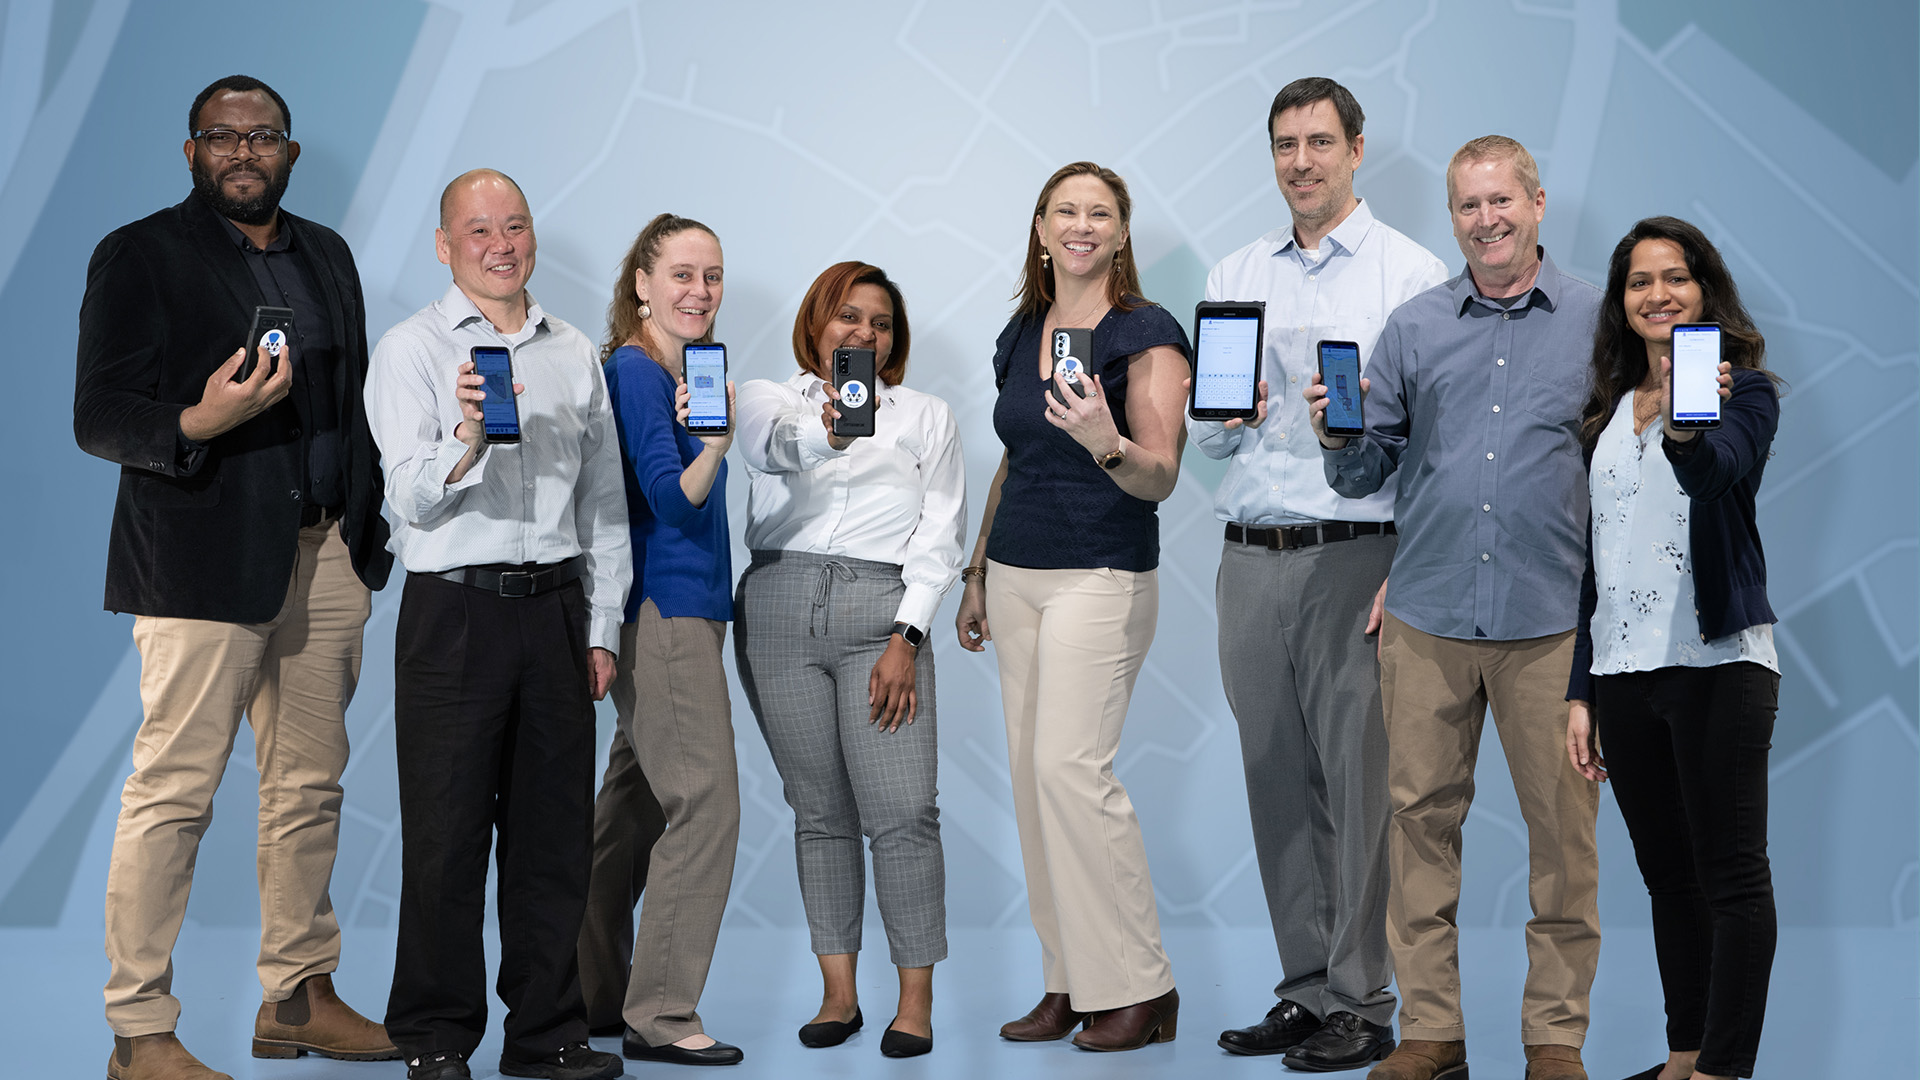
[[258, 210]]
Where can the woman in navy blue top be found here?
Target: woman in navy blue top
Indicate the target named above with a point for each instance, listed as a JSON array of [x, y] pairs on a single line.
[[672, 761], [1675, 672], [1064, 572]]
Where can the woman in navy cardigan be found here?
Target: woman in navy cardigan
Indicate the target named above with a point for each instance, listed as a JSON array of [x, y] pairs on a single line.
[[1675, 672], [672, 762]]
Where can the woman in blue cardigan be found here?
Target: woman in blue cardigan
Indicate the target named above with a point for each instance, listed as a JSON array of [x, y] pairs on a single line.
[[669, 688], [1675, 672]]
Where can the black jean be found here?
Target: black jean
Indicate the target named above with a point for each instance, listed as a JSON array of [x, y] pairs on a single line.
[[1687, 751], [493, 733]]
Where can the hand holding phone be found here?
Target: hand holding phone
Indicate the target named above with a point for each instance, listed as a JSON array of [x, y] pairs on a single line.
[[270, 335], [1073, 357], [1693, 394], [855, 381], [1228, 339], [490, 402], [1343, 417], [709, 405]]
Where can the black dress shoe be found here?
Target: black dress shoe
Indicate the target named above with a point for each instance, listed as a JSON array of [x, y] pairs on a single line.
[[1287, 1025], [898, 1044], [576, 1062], [636, 1049], [1344, 1042], [439, 1065], [830, 1032]]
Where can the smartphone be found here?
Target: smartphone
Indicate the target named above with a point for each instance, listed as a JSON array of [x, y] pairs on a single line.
[[1073, 357], [1227, 337], [706, 372], [499, 411], [272, 328], [1696, 376], [853, 377], [1340, 374]]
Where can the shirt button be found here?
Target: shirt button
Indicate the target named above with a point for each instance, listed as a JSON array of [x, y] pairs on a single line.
[[1496, 408], [1300, 329], [1486, 506], [1283, 434], [1294, 378], [1505, 315], [1276, 487], [1489, 455], [1502, 362], [1311, 277], [1484, 556]]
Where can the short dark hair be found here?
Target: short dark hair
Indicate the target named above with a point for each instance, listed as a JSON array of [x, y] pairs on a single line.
[[1303, 92], [239, 84]]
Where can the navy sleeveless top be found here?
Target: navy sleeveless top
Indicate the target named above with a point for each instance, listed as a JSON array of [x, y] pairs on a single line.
[[1058, 508]]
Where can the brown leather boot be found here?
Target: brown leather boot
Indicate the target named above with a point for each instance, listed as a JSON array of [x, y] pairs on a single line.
[[1134, 1026], [1053, 1018], [315, 1021], [1552, 1062], [1418, 1059], [156, 1057]]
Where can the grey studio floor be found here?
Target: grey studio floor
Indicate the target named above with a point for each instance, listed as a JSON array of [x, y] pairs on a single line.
[[1843, 1005]]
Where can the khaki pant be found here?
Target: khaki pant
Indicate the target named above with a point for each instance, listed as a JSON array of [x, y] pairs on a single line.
[[1435, 692], [292, 678], [1070, 644]]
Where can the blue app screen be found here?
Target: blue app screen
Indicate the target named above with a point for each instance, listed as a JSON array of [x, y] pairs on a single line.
[[706, 386], [502, 416], [1340, 371]]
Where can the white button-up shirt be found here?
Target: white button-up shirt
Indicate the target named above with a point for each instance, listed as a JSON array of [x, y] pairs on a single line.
[[898, 496], [1344, 292], [555, 494]]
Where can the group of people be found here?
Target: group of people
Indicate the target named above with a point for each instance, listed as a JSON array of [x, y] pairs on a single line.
[[1503, 535]]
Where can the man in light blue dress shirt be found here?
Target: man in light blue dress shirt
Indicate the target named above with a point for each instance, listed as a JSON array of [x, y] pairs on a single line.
[[1296, 595], [517, 559], [1473, 403]]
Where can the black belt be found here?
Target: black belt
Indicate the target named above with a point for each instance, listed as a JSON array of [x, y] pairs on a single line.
[[516, 582], [1287, 537]]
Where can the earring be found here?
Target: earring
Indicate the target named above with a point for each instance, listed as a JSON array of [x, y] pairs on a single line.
[[646, 312], [1044, 257]]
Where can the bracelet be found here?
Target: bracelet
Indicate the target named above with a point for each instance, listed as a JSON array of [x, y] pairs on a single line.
[[971, 572]]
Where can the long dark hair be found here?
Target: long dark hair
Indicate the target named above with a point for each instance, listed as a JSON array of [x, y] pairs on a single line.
[[623, 312], [1619, 354], [1036, 277]]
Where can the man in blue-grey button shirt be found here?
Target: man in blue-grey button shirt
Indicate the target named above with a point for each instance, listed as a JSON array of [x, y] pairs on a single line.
[[1474, 395]]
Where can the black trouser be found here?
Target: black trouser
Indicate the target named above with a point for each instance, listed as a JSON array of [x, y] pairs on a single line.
[[493, 730], [1687, 751]]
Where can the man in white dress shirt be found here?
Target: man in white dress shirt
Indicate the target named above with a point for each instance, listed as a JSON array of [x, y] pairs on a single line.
[[1298, 662], [518, 562]]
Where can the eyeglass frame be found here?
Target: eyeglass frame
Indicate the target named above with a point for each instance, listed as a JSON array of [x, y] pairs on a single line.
[[246, 137]]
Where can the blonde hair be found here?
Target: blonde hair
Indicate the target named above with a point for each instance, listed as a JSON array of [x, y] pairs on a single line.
[[1497, 148]]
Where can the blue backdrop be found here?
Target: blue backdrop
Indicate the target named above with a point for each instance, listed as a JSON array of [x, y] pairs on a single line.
[[915, 136]]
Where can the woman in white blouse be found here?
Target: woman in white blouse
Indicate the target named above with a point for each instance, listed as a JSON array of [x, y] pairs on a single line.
[[1675, 673], [854, 543]]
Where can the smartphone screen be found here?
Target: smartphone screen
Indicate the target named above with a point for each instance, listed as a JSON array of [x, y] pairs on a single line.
[[1340, 374], [501, 414], [1696, 375], [1226, 357], [706, 373]]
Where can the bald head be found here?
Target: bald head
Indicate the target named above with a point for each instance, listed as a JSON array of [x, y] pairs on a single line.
[[469, 180]]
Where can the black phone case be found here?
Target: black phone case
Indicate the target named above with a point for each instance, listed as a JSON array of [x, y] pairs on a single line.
[[474, 355], [1257, 310], [1359, 399], [1721, 352], [265, 319], [725, 374], [1073, 358], [854, 367]]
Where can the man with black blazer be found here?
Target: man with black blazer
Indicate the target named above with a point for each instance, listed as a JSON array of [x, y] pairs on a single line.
[[246, 537]]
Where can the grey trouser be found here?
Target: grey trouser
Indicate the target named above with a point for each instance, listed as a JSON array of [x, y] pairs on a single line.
[[809, 629], [1304, 684]]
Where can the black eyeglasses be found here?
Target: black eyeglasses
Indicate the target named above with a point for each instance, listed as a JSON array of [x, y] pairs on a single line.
[[222, 142]]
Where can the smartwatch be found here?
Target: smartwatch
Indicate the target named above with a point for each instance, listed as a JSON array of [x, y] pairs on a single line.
[[909, 633]]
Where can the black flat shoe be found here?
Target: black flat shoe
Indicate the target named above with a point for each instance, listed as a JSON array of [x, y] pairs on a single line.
[[1286, 1026], [1344, 1042], [830, 1032], [902, 1044], [636, 1049]]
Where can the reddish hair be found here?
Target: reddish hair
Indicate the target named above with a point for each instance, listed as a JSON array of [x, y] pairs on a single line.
[[823, 301]]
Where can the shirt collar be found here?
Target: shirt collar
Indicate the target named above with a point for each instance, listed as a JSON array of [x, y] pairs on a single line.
[[282, 241], [1545, 291], [458, 309], [1346, 236]]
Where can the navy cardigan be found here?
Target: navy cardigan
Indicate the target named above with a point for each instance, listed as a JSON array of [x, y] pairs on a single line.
[[1720, 471]]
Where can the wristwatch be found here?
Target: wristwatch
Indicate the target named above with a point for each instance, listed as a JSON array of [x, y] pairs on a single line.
[[1114, 458], [909, 633]]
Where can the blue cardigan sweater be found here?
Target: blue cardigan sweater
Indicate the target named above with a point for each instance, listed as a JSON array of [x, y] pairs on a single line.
[[1720, 470], [682, 554]]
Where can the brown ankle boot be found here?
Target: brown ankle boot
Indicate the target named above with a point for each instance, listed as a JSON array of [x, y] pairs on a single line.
[[1418, 1059], [156, 1057], [1053, 1018], [1134, 1026], [1549, 1061], [315, 1021]]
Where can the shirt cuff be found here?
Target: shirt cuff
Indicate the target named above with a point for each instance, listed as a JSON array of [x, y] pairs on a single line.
[[1345, 455], [603, 631], [451, 451], [918, 606], [815, 449]]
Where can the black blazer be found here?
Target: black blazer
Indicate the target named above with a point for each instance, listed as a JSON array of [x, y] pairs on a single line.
[[210, 532], [1720, 470]]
